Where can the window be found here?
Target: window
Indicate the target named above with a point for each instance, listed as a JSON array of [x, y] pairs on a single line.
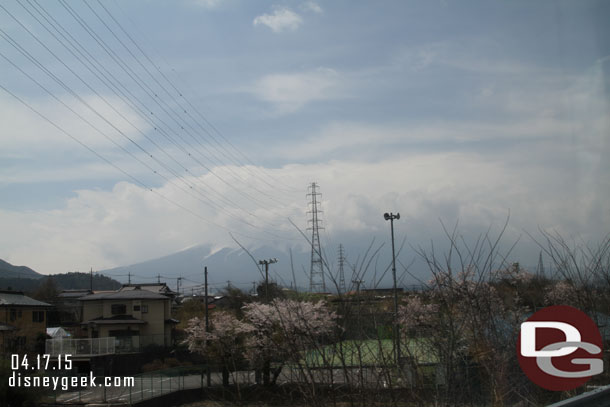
[[136, 308], [117, 309], [13, 314], [144, 309], [38, 316]]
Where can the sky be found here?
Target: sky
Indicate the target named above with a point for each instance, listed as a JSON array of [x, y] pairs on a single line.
[[132, 130]]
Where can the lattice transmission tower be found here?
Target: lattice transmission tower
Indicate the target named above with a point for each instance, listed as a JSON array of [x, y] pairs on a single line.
[[316, 271], [341, 273]]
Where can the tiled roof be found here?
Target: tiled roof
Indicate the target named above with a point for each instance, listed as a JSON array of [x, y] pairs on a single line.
[[73, 293], [125, 295], [160, 288], [17, 298]]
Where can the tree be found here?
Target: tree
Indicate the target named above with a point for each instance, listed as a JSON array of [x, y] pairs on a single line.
[[224, 341], [235, 299], [47, 291], [285, 330]]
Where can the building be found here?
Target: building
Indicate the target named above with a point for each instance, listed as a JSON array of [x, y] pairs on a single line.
[[69, 309], [23, 323], [159, 288], [136, 317]]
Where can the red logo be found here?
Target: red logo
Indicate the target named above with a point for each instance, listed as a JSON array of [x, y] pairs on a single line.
[[560, 348]]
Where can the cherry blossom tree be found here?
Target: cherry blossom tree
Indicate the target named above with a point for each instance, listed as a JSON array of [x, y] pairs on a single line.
[[285, 330], [223, 342], [466, 321]]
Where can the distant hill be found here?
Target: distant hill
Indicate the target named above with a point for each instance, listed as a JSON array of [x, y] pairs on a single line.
[[224, 265], [75, 281], [7, 270], [22, 278]]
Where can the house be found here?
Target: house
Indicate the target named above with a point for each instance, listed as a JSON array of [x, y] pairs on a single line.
[[159, 288], [69, 309], [136, 317], [213, 300], [23, 322]]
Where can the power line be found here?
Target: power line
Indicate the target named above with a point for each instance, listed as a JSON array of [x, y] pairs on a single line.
[[123, 97], [158, 101], [206, 131], [32, 59], [136, 180], [240, 163], [147, 89], [4, 35]]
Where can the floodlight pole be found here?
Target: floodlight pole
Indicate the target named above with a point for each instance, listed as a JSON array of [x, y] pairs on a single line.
[[391, 218], [207, 325]]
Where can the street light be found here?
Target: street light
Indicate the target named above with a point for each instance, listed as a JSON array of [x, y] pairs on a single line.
[[390, 216], [267, 263]]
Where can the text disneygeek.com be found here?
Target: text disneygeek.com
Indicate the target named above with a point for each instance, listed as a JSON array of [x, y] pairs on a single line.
[[20, 364]]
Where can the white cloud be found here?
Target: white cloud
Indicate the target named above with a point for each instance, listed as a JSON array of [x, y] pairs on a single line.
[[375, 141], [312, 6], [209, 4], [465, 56], [24, 129], [290, 92], [280, 20], [128, 224]]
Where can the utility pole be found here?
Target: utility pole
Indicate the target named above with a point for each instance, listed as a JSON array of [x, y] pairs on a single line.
[[391, 218], [158, 278], [207, 321], [178, 284], [129, 278], [316, 271], [267, 263], [91, 280]]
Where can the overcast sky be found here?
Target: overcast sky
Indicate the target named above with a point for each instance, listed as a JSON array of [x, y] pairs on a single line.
[[225, 110]]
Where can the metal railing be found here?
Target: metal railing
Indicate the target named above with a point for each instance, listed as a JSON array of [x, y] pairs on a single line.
[[102, 346], [80, 347], [157, 383], [144, 386]]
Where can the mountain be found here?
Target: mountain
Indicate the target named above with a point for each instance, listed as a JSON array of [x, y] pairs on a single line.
[[22, 278], [224, 265], [7, 270]]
